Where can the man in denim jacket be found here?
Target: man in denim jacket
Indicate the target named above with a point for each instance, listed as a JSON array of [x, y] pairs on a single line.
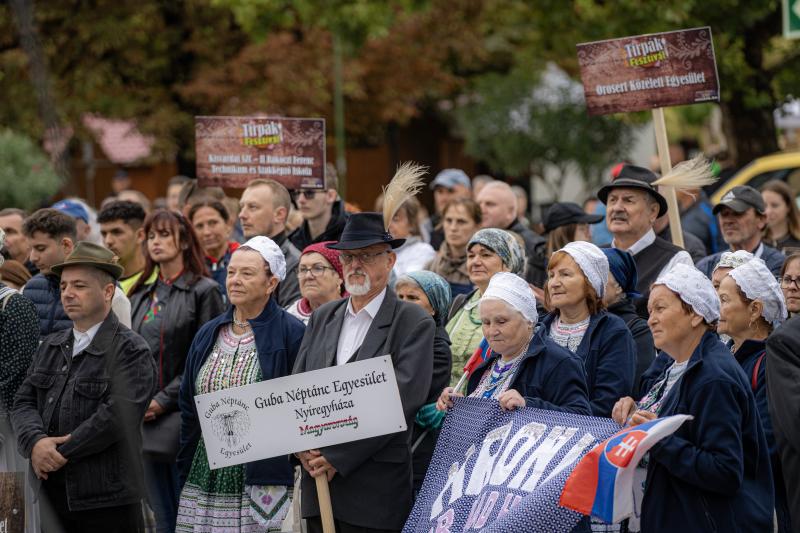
[[78, 413]]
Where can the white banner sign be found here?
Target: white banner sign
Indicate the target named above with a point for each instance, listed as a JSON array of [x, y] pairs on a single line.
[[301, 412]]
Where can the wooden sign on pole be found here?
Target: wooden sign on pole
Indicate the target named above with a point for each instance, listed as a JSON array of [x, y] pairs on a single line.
[[651, 72], [673, 210], [325, 507]]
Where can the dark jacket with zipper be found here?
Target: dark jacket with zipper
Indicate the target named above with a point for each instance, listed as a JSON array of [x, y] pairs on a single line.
[[549, 377], [45, 293], [748, 355], [288, 290], [99, 397], [189, 306], [278, 336], [301, 237], [713, 473], [609, 359]]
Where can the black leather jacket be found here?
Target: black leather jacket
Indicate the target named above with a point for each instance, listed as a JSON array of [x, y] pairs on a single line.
[[99, 397], [188, 308]]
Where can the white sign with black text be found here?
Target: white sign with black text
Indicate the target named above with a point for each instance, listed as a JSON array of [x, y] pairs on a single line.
[[300, 412]]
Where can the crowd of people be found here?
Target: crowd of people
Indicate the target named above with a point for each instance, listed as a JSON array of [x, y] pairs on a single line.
[[111, 323]]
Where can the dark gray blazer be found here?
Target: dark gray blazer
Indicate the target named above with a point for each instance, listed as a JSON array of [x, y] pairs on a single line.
[[373, 485], [783, 393]]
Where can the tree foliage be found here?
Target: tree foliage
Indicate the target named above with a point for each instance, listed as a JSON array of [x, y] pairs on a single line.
[[26, 175], [162, 63], [522, 122]]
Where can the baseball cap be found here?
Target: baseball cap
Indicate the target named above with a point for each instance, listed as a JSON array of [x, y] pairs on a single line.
[[450, 177], [72, 208], [740, 199], [563, 213]]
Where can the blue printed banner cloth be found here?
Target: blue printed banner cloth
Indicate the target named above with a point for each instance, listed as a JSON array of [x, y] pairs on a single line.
[[500, 471]]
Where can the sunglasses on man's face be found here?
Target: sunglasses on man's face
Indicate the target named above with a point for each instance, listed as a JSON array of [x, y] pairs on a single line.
[[309, 194]]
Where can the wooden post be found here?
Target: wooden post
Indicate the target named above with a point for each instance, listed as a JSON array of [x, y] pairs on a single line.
[[325, 508], [666, 165]]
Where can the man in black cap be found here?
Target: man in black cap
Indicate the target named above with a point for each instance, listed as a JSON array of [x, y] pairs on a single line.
[[565, 213], [78, 413], [370, 479], [741, 215], [632, 206]]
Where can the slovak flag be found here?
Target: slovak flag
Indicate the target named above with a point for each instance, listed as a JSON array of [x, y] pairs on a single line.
[[602, 483]]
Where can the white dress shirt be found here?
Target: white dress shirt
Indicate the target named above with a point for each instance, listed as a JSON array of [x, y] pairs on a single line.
[[83, 339], [648, 239], [355, 326]]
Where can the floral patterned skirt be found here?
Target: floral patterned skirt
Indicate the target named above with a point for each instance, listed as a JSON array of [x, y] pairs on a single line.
[[218, 501]]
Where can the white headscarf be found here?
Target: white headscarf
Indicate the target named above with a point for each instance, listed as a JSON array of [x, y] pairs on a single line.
[[514, 291], [271, 253], [593, 263], [694, 288], [757, 283], [733, 259], [2, 243]]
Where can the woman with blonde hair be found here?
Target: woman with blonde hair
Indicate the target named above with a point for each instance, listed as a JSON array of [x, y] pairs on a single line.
[[415, 253]]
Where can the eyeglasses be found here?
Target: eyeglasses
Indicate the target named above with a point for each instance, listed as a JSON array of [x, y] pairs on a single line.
[[364, 259], [315, 271], [788, 281], [309, 194]]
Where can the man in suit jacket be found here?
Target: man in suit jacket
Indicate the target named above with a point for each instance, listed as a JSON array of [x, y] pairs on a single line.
[[370, 479], [783, 392]]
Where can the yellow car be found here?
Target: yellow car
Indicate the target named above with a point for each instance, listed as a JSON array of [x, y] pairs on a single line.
[[783, 166]]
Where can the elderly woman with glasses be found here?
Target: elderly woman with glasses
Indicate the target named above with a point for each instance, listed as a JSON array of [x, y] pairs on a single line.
[[790, 283], [489, 251], [525, 368], [713, 473], [321, 280], [577, 277], [751, 306], [255, 340]]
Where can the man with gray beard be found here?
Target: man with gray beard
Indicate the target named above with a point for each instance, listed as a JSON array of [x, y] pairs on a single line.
[[371, 479]]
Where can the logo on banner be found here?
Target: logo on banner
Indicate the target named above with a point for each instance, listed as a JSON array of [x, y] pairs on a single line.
[[230, 424], [619, 450], [262, 133]]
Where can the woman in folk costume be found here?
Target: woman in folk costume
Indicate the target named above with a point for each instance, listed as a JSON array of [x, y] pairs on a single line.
[[713, 473], [525, 368], [751, 308], [577, 277], [255, 340]]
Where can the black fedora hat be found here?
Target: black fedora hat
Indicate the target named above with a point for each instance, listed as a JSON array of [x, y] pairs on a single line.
[[365, 229], [563, 213], [633, 177]]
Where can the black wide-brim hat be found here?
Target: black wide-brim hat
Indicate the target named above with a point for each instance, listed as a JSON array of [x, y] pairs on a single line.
[[365, 229], [563, 213], [633, 177]]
